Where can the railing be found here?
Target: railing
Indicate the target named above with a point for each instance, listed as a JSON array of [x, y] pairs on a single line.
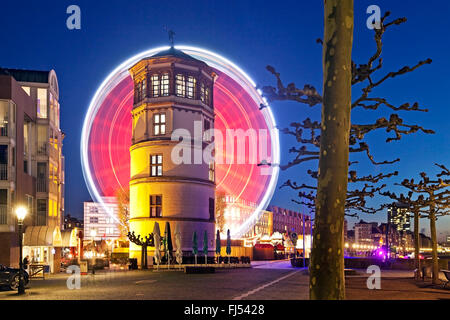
[[3, 171], [41, 218], [42, 184], [42, 149], [3, 214]]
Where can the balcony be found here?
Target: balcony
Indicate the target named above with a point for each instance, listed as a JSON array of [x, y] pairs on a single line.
[[41, 185], [42, 149], [3, 171], [3, 214]]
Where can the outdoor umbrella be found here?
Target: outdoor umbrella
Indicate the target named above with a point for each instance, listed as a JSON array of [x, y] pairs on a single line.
[[195, 246], [157, 241], [179, 252], [218, 248], [228, 244], [168, 247], [205, 246]]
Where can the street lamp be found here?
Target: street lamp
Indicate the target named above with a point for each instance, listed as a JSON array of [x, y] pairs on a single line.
[[21, 212]]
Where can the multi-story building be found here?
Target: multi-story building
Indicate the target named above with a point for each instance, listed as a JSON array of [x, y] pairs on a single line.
[[363, 232], [31, 164], [288, 221], [101, 221], [399, 217], [239, 211], [172, 90]]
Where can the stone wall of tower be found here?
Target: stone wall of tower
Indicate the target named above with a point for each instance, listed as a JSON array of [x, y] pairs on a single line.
[[185, 189]]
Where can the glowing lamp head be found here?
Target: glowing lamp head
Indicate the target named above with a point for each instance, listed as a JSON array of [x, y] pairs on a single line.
[[21, 213], [93, 233]]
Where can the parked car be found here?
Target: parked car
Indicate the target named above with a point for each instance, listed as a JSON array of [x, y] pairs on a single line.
[[10, 277]]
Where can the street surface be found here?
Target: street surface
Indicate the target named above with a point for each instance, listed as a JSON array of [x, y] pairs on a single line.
[[269, 280]]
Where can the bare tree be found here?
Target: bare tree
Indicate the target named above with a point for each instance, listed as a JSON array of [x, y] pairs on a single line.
[[337, 137], [433, 201]]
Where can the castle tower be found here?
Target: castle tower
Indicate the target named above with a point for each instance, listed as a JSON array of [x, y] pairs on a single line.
[[172, 91]]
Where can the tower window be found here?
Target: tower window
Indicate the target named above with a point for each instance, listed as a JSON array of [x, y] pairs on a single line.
[[207, 96], [212, 209], [191, 87], [206, 128], [156, 165], [211, 171], [140, 91], [181, 85], [202, 92], [159, 124], [155, 85], [155, 206], [165, 84]]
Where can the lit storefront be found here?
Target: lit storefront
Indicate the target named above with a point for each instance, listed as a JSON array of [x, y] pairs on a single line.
[[43, 246]]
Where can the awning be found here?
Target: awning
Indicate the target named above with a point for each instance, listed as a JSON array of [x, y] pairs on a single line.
[[42, 236], [69, 238]]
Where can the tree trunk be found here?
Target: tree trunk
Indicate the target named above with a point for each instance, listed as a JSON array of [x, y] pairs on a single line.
[[327, 261], [417, 241], [434, 245]]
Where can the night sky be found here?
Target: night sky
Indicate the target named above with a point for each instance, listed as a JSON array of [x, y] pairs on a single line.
[[252, 34]]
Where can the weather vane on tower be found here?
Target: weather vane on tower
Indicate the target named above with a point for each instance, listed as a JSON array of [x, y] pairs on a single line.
[[171, 34]]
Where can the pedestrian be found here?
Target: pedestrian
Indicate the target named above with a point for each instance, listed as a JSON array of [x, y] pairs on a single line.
[[26, 262]]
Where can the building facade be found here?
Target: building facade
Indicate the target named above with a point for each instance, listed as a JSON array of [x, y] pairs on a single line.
[[31, 163], [100, 221], [172, 91], [399, 217], [289, 221]]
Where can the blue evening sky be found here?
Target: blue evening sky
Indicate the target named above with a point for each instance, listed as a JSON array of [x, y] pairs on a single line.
[[252, 34]]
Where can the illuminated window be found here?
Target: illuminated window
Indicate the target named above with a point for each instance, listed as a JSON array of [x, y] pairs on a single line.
[[159, 124], [202, 92], [155, 85], [206, 128], [165, 84], [42, 103], [27, 90], [181, 85], [191, 87], [155, 206], [156, 169], [211, 171], [207, 96]]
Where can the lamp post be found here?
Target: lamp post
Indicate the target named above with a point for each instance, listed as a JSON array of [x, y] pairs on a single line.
[[21, 212]]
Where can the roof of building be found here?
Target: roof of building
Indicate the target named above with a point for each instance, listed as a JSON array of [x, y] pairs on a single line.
[[26, 75], [173, 53]]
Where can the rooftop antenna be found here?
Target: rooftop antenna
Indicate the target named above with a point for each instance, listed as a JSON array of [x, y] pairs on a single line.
[[171, 34]]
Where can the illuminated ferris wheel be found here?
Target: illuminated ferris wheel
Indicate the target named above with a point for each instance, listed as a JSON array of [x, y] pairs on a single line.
[[107, 130]]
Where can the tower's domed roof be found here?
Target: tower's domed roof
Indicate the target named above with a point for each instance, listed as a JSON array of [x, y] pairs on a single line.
[[172, 52]]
